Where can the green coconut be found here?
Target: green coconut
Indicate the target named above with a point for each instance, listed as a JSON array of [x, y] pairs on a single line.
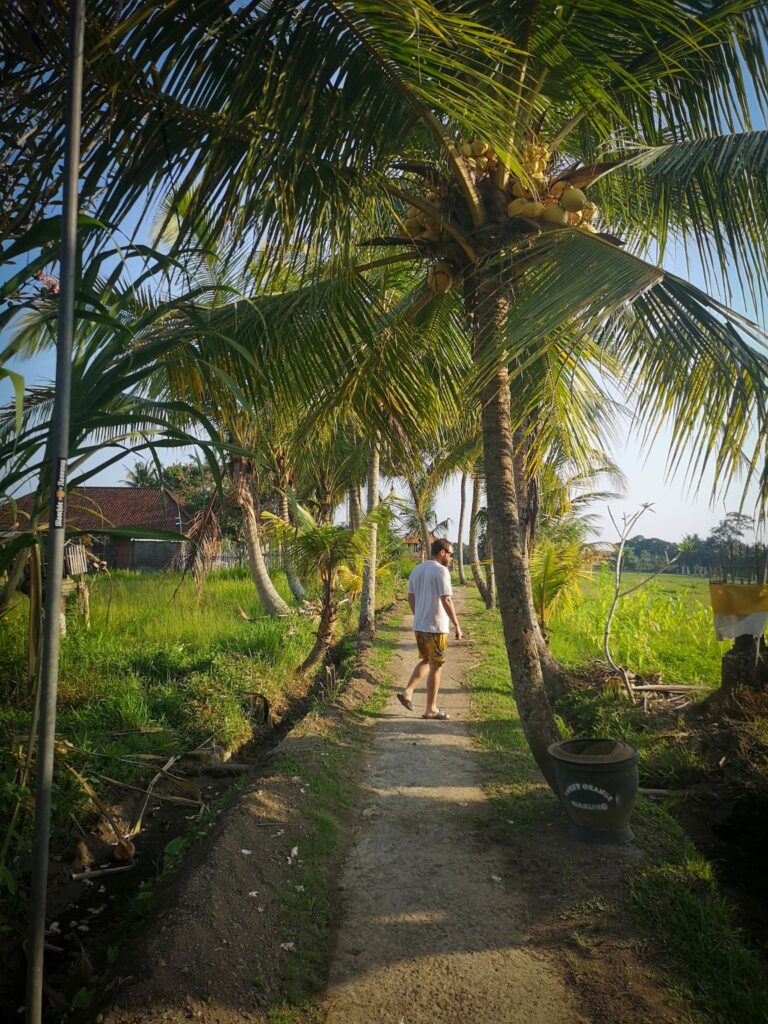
[[573, 200], [554, 215], [532, 209], [516, 207], [440, 276]]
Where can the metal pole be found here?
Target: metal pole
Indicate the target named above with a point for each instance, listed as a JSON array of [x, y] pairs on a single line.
[[55, 566]]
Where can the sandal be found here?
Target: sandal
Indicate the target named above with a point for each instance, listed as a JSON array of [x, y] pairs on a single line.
[[440, 716], [405, 702]]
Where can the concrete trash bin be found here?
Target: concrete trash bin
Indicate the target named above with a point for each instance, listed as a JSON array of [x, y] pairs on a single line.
[[598, 783]]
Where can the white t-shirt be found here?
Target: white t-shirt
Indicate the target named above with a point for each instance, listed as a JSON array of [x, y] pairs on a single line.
[[428, 583]]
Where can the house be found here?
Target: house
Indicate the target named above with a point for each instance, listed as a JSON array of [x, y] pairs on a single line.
[[413, 543], [94, 509]]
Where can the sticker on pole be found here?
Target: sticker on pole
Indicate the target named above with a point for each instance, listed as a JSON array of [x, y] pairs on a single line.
[[60, 494]]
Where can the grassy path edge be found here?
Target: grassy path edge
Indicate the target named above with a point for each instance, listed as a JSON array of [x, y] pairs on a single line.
[[672, 895]]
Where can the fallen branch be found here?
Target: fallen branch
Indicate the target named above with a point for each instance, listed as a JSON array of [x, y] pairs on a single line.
[[659, 688], [125, 849], [168, 764], [100, 871], [147, 792]]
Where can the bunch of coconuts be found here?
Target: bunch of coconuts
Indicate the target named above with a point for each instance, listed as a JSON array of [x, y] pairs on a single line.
[[419, 225], [541, 197]]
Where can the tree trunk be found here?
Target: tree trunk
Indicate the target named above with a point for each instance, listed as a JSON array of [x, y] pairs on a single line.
[[367, 622], [325, 632], [462, 510], [490, 577], [474, 557], [556, 678], [325, 505], [12, 583], [355, 508], [509, 555], [426, 543], [271, 601], [16, 571], [293, 580]]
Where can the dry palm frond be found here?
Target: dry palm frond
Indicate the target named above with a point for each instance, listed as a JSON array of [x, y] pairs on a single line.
[[202, 548]]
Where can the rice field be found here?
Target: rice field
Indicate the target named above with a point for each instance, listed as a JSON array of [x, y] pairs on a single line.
[[665, 627]]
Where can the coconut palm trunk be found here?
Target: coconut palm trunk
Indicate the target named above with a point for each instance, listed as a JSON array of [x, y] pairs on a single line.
[[242, 497], [426, 543], [367, 622], [556, 678], [326, 630], [355, 508], [509, 554], [13, 582], [490, 576], [290, 574], [462, 511], [474, 556]]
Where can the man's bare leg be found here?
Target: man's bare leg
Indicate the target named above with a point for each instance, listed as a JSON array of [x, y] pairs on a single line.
[[433, 688], [421, 669]]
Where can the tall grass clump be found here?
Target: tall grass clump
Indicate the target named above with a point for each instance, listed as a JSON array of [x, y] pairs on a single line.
[[666, 759], [674, 893]]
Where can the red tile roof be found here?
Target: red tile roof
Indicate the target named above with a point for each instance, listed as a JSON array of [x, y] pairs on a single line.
[[91, 508], [415, 538]]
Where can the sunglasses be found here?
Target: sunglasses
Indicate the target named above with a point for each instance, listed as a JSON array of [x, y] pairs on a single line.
[[446, 552]]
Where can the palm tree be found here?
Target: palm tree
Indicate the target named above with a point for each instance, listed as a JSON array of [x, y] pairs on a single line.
[[362, 108], [474, 550], [119, 352], [562, 555], [243, 474], [462, 515], [142, 475], [322, 551]]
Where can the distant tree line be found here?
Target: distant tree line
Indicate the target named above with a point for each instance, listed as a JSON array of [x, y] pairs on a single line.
[[724, 554]]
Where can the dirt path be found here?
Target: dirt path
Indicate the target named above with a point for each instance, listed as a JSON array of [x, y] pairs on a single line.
[[446, 913], [433, 928]]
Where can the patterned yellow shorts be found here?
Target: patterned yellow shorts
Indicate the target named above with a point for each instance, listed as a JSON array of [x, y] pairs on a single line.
[[432, 647]]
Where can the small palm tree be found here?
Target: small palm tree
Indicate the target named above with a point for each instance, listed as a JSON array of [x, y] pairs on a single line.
[[142, 475], [322, 551], [558, 565]]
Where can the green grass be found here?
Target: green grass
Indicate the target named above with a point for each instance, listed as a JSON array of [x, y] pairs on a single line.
[[664, 627], [676, 897], [161, 670], [667, 759], [673, 893], [514, 785]]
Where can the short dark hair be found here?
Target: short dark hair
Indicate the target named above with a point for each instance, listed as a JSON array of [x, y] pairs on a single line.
[[441, 544]]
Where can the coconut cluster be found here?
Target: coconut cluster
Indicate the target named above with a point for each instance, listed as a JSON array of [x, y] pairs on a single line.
[[440, 276], [539, 195], [421, 226]]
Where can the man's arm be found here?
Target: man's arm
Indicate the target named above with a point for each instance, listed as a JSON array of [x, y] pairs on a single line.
[[412, 603], [451, 613]]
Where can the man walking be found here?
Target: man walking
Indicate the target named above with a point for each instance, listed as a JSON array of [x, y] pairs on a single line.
[[429, 595]]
